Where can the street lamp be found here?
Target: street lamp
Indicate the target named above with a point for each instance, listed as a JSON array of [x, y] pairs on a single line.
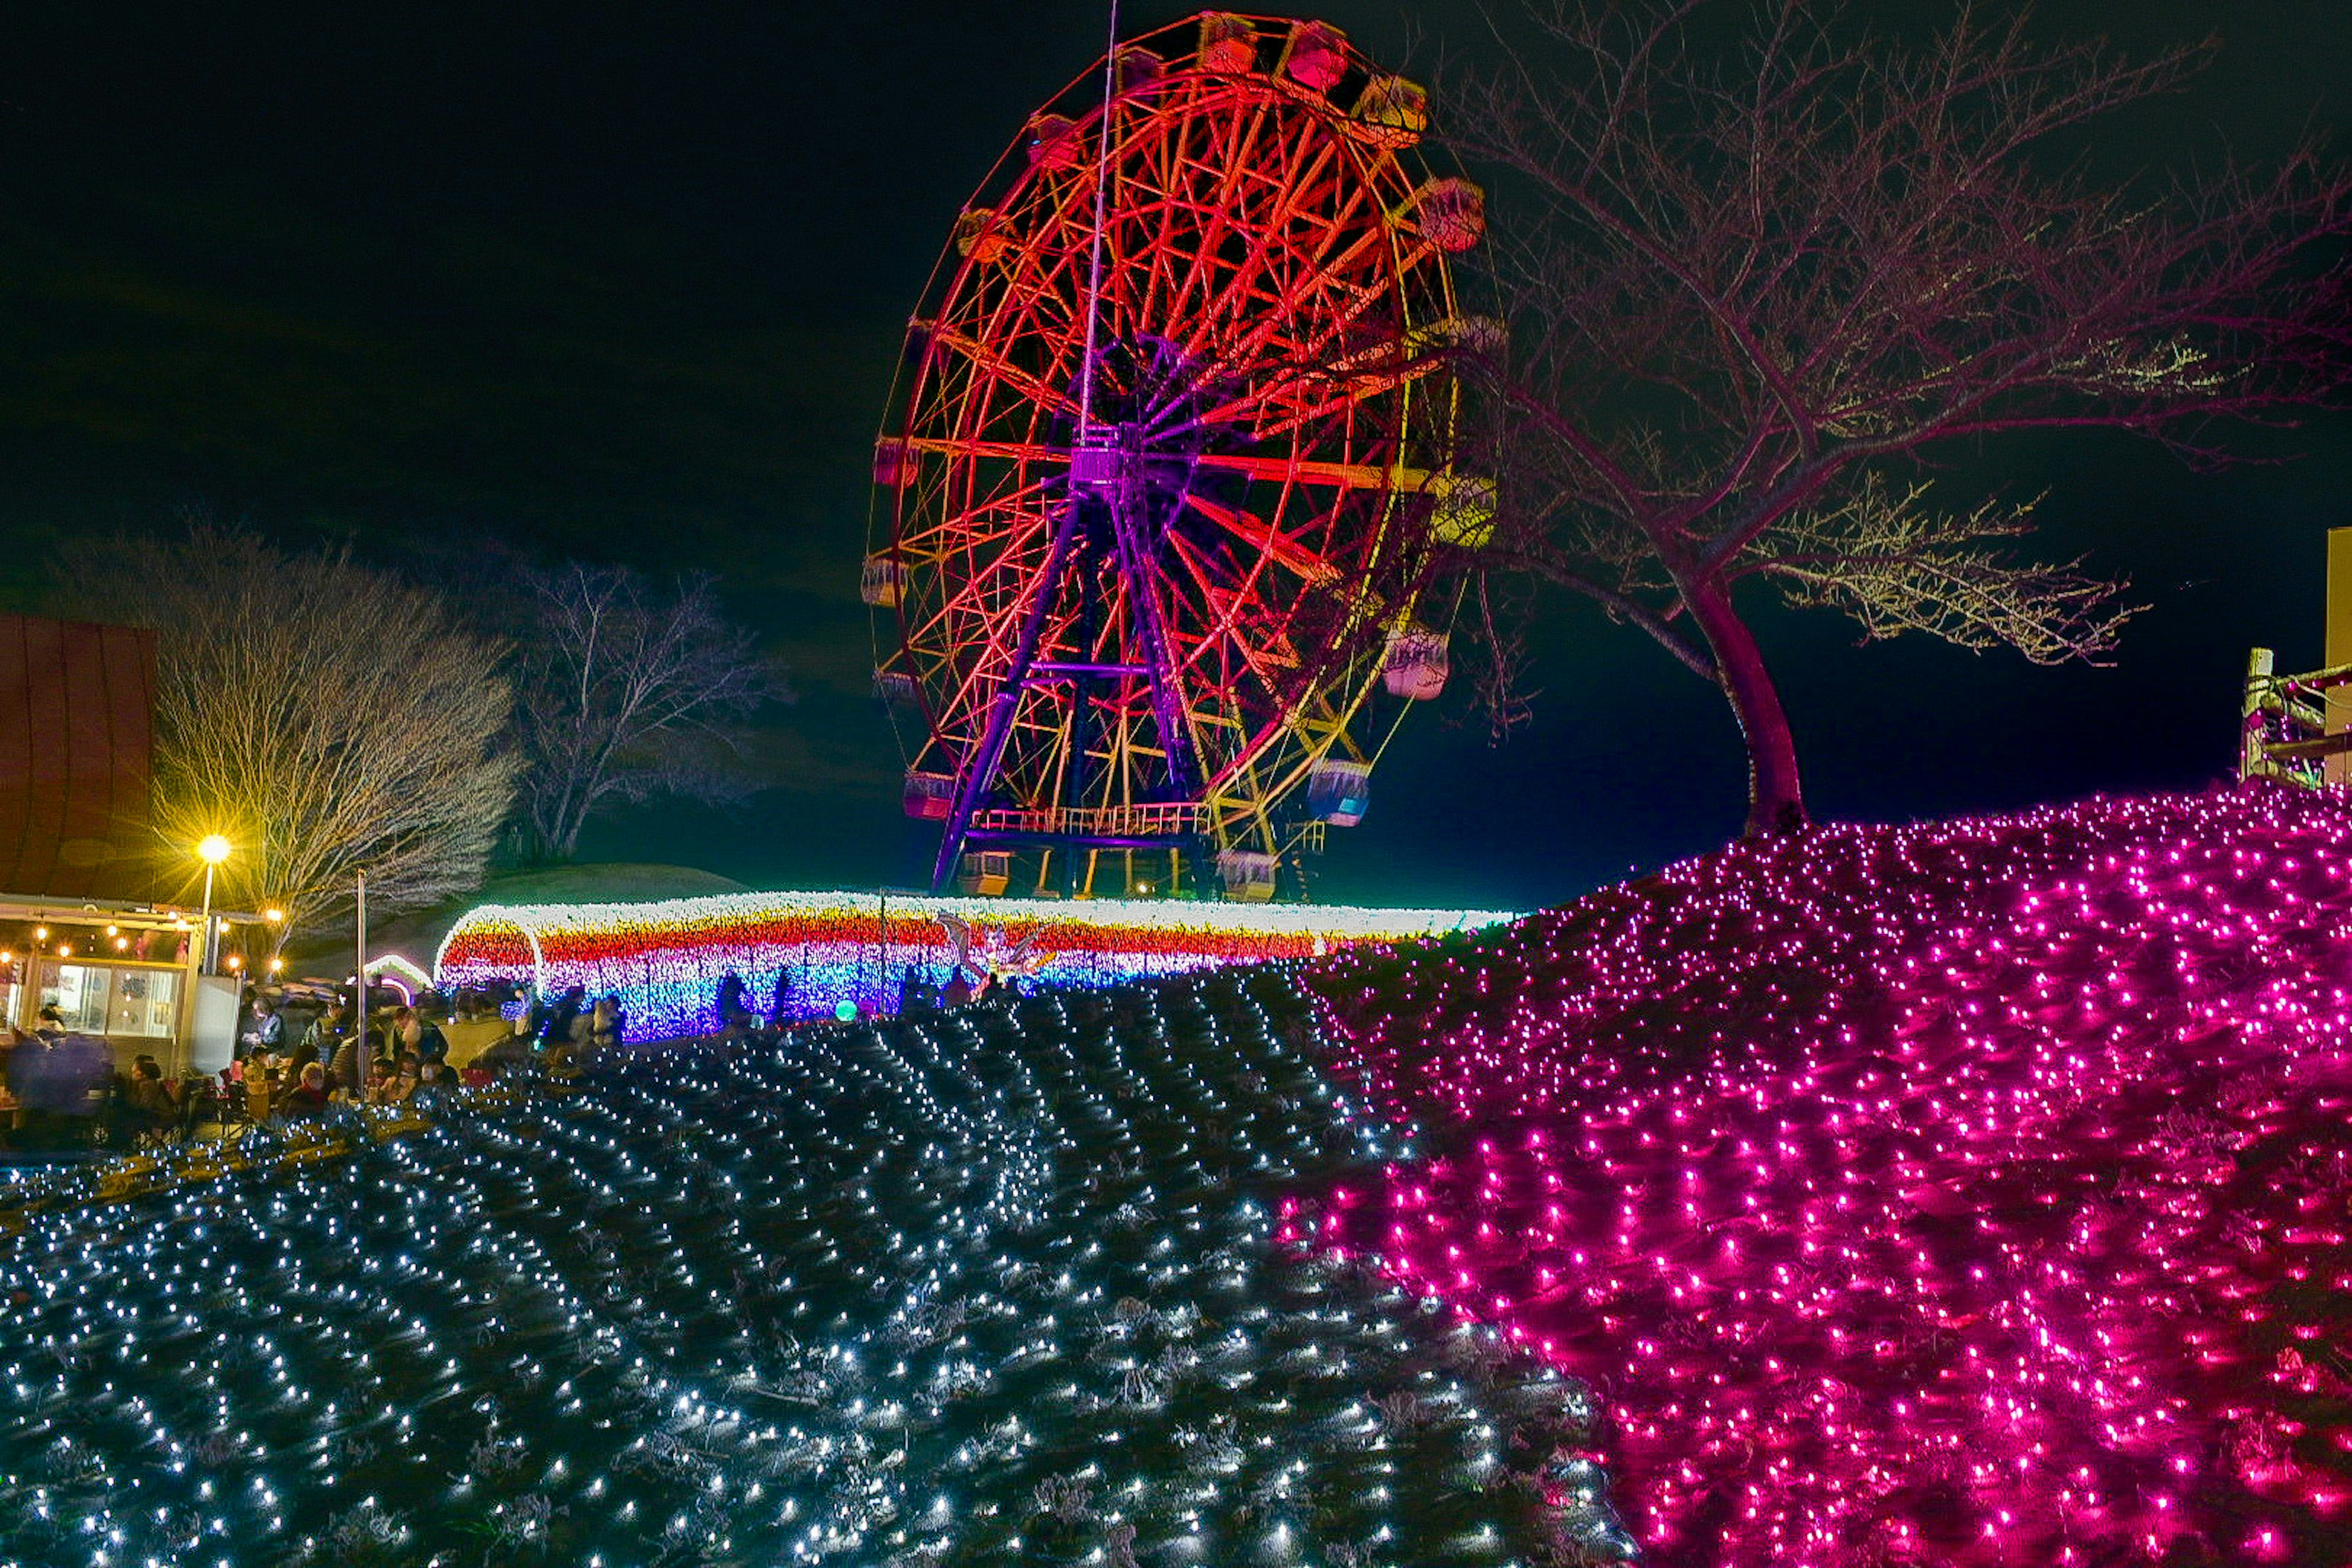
[[211, 849]]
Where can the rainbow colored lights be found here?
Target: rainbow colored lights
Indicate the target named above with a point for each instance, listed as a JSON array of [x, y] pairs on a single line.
[[1968, 1193], [665, 961]]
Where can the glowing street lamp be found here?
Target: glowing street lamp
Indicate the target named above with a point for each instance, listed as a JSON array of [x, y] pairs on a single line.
[[211, 849]]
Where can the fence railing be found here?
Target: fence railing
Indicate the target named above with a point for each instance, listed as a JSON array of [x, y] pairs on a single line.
[[1152, 821], [2294, 723]]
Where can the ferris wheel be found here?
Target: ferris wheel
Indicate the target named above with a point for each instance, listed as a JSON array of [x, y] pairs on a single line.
[[1164, 490]]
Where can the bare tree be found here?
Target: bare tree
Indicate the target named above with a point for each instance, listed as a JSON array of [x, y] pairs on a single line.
[[326, 717], [1755, 278], [626, 693]]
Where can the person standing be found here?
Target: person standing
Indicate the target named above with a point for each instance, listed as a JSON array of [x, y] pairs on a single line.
[[419, 1035], [330, 1028], [265, 1031]]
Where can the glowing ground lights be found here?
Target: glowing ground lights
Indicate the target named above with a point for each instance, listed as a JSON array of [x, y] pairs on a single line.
[[1972, 1194], [665, 961], [995, 1287]]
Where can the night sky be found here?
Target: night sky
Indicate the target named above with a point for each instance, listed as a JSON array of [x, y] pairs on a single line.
[[626, 282]]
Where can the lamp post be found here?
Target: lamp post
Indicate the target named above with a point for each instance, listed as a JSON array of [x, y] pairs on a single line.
[[360, 989], [213, 850]]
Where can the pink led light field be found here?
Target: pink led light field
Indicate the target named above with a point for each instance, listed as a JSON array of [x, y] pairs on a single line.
[[1969, 1193]]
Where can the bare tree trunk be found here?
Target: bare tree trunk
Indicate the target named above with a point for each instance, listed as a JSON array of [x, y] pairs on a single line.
[[1776, 793]]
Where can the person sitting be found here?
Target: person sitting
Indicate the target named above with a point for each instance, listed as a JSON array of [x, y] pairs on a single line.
[[401, 1086], [381, 1071], [307, 1097], [149, 1104], [605, 1025], [150, 1091], [558, 1030]]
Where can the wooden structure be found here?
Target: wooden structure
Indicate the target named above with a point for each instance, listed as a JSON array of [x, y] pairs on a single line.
[[77, 748], [2291, 728], [2297, 729]]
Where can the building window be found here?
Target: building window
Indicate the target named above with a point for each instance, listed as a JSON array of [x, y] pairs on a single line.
[[118, 1000]]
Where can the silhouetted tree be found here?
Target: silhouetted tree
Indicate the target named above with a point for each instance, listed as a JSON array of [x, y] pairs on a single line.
[[1753, 272], [627, 691], [327, 717]]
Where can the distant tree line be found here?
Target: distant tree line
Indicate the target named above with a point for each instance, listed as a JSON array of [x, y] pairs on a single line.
[[332, 716]]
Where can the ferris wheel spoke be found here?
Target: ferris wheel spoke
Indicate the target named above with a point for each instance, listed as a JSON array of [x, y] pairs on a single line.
[[1318, 471], [1167, 157], [1401, 283], [1309, 566], [1345, 304], [985, 526], [1236, 153], [986, 677], [1205, 171], [998, 368], [1331, 393], [1262, 647], [1275, 236]]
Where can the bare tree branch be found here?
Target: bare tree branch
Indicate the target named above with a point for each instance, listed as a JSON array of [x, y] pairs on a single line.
[[326, 717], [627, 692], [1755, 273], [1897, 565]]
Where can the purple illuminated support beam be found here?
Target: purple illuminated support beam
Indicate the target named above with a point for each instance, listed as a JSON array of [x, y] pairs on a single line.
[[1057, 668], [982, 768], [1151, 625]]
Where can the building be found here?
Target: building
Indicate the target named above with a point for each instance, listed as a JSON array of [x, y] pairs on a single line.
[[97, 914]]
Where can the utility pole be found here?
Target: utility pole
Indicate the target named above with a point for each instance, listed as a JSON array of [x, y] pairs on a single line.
[[359, 998]]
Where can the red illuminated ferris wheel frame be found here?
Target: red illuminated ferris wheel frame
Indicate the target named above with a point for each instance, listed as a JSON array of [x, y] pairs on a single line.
[[1145, 604]]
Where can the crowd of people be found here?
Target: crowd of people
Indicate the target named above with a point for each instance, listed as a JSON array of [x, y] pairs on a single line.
[[64, 1089], [406, 1049]]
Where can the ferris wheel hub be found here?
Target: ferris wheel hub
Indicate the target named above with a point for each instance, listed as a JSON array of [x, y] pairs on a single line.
[[1101, 462]]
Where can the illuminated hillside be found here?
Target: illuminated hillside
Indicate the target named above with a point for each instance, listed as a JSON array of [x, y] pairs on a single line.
[[1971, 1193]]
